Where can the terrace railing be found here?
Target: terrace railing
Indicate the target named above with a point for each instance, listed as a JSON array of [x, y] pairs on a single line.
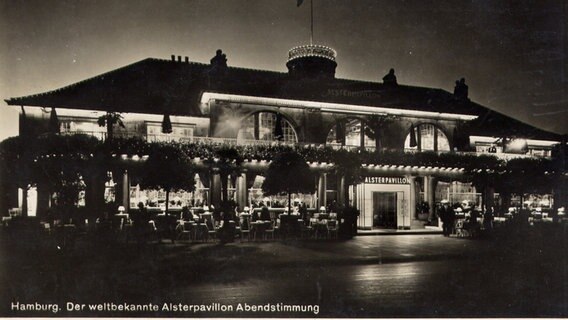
[[243, 142]]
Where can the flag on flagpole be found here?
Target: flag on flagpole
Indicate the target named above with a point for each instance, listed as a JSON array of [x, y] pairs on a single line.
[[299, 3]]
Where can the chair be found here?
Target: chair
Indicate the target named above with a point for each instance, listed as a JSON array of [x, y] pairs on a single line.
[[309, 229], [332, 229], [321, 229], [201, 232], [187, 229], [269, 230], [226, 232], [461, 232], [165, 227], [210, 224], [260, 228], [245, 221]]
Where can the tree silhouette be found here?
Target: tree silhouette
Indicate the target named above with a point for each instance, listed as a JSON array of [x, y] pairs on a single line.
[[288, 173], [109, 120], [166, 124], [168, 168], [373, 128], [53, 122], [228, 161], [15, 165], [349, 167]]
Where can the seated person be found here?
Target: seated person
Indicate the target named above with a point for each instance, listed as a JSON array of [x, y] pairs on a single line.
[[255, 215], [265, 214], [186, 214]]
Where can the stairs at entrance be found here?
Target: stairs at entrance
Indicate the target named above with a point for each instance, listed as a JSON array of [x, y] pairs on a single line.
[[417, 224]]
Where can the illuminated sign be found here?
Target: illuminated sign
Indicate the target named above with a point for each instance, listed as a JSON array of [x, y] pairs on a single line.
[[350, 93], [387, 180]]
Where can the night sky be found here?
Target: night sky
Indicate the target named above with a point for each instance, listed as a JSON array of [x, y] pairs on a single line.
[[511, 53]]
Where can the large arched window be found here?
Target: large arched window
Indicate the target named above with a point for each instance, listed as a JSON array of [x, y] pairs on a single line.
[[428, 138], [351, 130], [262, 125]]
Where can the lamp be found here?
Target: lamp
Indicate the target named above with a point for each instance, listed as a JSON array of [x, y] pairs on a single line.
[[121, 209]]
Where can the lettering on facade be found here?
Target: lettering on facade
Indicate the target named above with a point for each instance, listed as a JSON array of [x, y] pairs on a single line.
[[349, 93], [387, 180]]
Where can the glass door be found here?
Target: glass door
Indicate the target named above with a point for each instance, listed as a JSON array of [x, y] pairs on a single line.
[[384, 209]]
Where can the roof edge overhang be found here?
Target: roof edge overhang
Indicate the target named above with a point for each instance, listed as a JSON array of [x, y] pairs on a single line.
[[207, 96]]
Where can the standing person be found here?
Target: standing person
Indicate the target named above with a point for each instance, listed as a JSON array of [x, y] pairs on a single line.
[[141, 222], [445, 214], [473, 225], [304, 213]]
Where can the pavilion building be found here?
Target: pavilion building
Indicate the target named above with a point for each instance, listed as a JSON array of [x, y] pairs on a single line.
[[216, 103]]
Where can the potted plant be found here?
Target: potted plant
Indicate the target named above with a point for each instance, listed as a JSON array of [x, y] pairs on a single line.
[[422, 210]]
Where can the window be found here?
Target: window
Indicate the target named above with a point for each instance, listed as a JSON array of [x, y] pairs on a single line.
[[428, 138], [260, 126], [256, 196], [179, 132], [178, 199], [75, 126], [352, 134]]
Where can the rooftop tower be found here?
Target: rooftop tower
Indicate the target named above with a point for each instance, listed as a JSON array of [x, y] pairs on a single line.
[[312, 61]]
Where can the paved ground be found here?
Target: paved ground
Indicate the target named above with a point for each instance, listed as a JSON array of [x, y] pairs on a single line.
[[514, 273]]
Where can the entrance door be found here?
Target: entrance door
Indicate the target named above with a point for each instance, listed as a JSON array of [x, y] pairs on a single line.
[[384, 209]]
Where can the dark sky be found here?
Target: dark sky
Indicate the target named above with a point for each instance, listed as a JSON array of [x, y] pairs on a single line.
[[512, 53]]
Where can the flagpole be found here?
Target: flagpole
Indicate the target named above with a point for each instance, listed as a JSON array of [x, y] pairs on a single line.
[[312, 22]]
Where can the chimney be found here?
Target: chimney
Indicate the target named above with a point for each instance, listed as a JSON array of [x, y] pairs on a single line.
[[186, 59], [173, 57], [179, 58]]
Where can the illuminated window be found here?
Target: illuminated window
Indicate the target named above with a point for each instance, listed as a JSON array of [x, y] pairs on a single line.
[[74, 126], [428, 138], [352, 132], [179, 132], [260, 126], [280, 201]]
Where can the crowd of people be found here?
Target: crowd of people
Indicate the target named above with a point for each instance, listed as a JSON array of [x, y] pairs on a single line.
[[466, 216]]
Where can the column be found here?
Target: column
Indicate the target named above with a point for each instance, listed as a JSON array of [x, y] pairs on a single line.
[[43, 197], [341, 192], [322, 186], [126, 191], [23, 205], [215, 188], [418, 138], [412, 197], [362, 136], [242, 192], [256, 127], [430, 194]]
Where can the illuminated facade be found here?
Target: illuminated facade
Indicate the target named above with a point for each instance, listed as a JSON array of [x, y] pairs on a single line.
[[214, 103]]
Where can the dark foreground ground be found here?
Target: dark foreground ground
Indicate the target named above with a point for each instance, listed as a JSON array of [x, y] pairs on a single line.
[[513, 273]]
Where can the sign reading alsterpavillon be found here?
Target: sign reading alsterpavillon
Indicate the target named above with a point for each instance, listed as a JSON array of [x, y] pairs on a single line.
[[387, 180]]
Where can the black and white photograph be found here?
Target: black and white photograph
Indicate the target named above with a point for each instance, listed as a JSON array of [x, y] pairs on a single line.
[[283, 158]]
